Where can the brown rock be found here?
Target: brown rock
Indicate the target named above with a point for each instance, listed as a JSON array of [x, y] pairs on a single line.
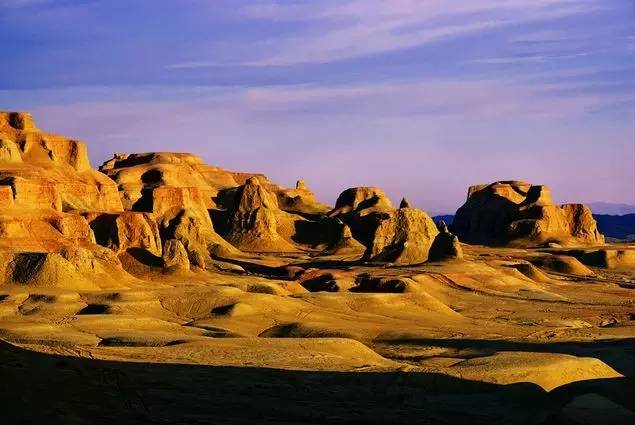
[[175, 255], [404, 236], [404, 203], [253, 224], [9, 151], [361, 201], [362, 208], [53, 172], [519, 214], [120, 232]]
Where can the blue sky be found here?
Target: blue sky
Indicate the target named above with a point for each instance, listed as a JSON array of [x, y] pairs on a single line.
[[421, 98]]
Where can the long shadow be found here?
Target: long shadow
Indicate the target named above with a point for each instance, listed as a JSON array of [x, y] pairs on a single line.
[[619, 354], [53, 389]]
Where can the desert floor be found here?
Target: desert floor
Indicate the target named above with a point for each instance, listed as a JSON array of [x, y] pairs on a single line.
[[464, 342]]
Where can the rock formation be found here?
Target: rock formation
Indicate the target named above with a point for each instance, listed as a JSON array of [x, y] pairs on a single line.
[[445, 246], [175, 256], [519, 214], [405, 203], [403, 236], [361, 208], [253, 225], [343, 242], [123, 231], [46, 171]]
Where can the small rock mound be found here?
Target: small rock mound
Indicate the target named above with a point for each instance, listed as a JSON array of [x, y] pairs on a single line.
[[563, 264]]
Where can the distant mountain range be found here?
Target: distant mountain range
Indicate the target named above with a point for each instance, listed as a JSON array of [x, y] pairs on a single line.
[[620, 227], [608, 208]]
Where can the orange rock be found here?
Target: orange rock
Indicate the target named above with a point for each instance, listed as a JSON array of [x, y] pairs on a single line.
[[253, 225]]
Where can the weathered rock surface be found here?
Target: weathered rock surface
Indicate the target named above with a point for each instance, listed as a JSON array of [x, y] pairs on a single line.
[[123, 231], [253, 225], [520, 214], [74, 267], [175, 256], [604, 258], [404, 236], [46, 171], [362, 208]]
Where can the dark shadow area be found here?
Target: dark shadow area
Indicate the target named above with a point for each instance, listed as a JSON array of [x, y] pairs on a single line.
[[144, 203], [145, 257], [279, 272], [619, 353], [315, 233], [53, 389]]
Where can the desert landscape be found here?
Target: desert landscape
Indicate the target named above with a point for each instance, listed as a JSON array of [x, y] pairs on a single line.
[[161, 289]]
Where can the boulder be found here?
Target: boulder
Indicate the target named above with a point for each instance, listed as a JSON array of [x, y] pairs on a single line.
[[403, 236], [520, 214]]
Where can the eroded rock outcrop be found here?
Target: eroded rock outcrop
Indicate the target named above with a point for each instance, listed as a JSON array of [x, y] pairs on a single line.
[[128, 230], [362, 208], [253, 225], [47, 171], [403, 236], [175, 256], [521, 214]]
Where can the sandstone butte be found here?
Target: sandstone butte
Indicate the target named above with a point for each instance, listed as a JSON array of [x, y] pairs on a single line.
[[520, 214], [172, 210]]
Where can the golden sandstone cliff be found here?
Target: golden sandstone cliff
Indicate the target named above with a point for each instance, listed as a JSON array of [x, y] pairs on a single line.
[[61, 220]]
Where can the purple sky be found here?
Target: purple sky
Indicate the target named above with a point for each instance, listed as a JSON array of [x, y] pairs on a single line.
[[421, 98]]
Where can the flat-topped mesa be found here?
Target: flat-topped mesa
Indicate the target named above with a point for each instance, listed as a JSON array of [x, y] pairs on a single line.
[[47, 171], [520, 214], [138, 174]]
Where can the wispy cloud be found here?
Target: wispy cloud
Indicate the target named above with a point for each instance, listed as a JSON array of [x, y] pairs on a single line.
[[341, 30]]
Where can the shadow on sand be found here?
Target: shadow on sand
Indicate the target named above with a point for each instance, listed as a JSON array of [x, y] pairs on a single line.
[[53, 389]]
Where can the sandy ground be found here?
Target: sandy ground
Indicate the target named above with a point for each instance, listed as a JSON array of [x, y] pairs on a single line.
[[476, 341]]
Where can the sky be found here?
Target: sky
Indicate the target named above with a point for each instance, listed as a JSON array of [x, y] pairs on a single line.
[[419, 97]]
